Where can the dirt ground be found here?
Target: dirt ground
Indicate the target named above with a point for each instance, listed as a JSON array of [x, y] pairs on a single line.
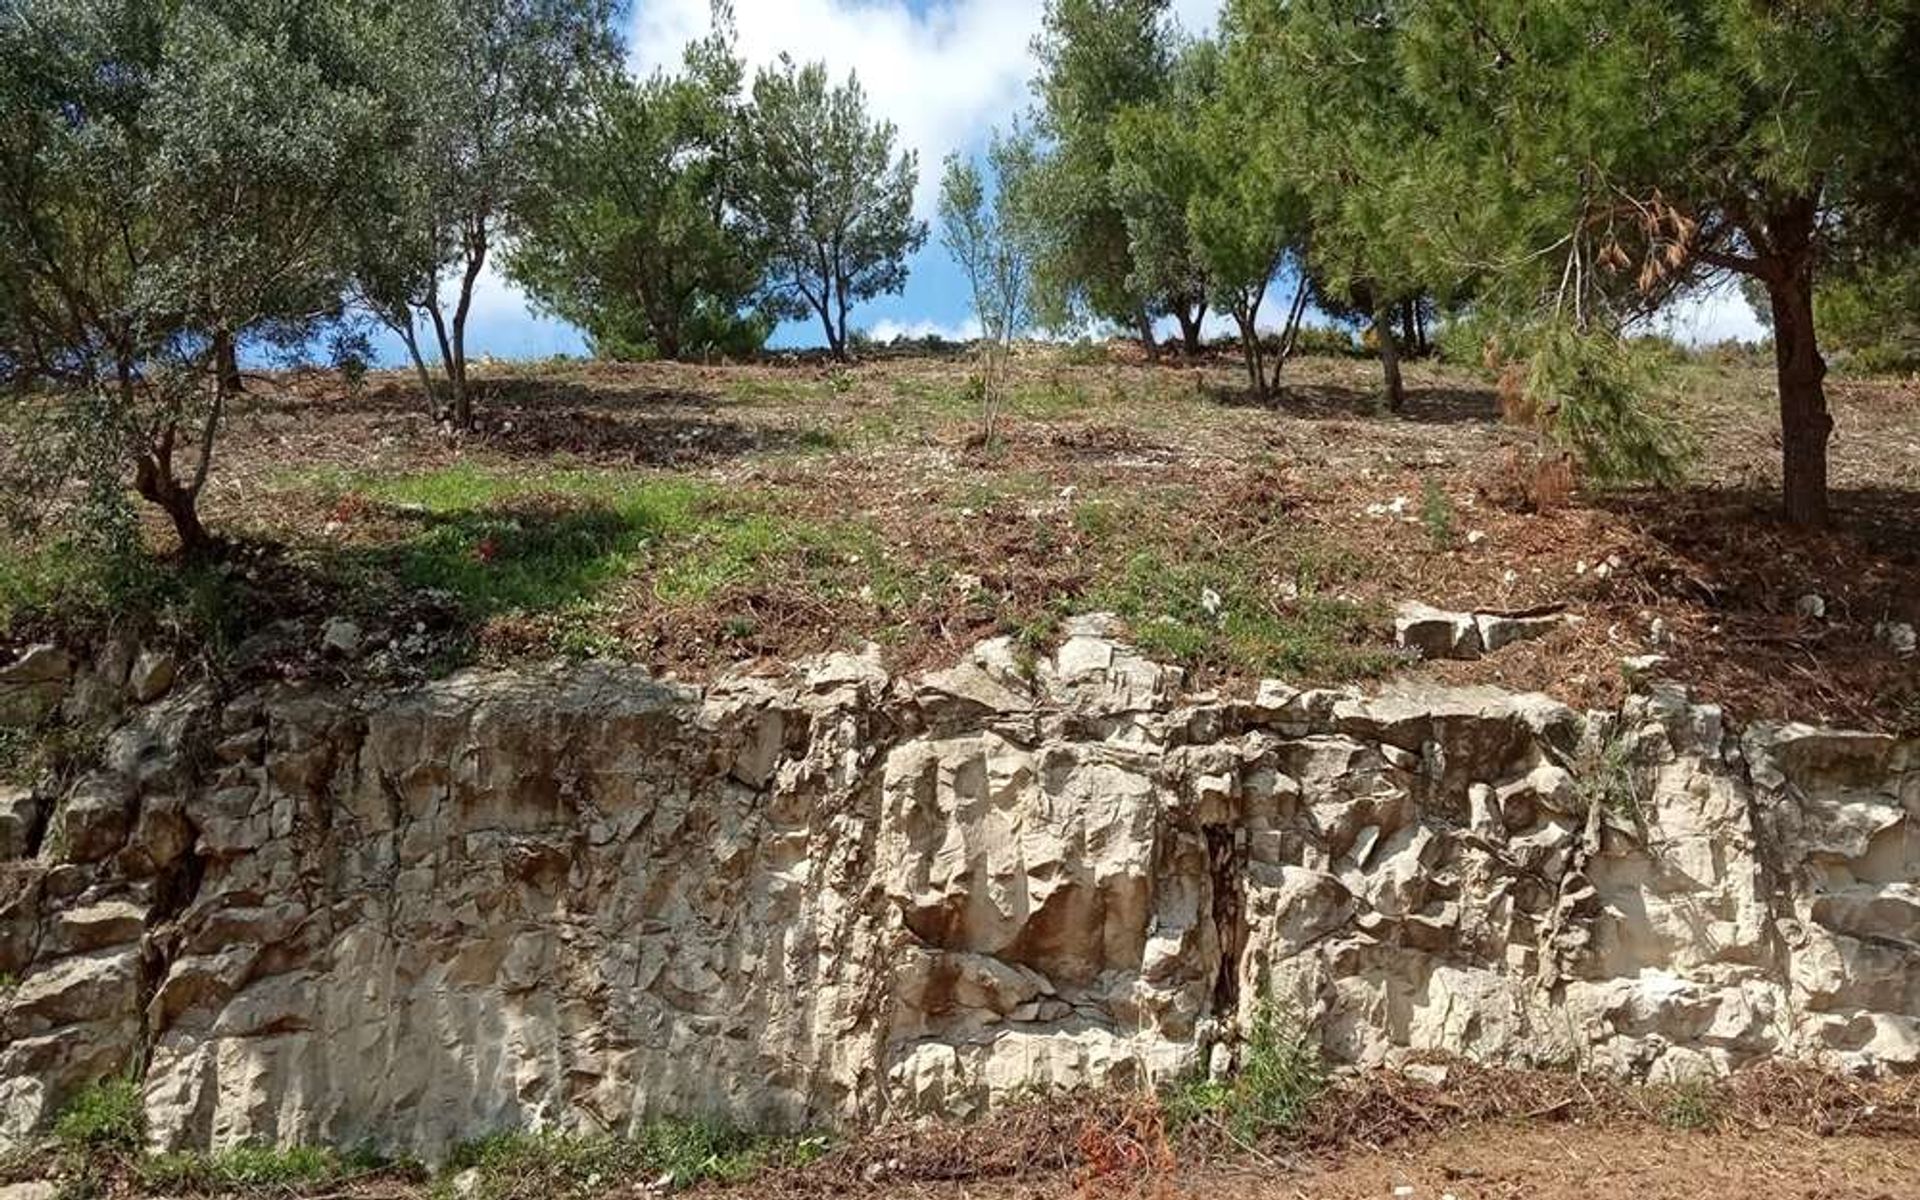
[[1528, 1162], [841, 504]]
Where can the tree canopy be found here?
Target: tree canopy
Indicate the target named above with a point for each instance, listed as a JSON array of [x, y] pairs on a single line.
[[171, 178], [825, 200], [1581, 163], [629, 228]]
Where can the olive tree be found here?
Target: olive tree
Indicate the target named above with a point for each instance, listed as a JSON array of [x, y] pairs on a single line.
[[479, 84], [982, 231], [171, 181], [1102, 255]]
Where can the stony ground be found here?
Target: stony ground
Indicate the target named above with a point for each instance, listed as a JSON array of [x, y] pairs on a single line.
[[698, 519]]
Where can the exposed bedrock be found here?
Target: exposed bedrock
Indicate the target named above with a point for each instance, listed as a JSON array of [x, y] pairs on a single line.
[[582, 898]]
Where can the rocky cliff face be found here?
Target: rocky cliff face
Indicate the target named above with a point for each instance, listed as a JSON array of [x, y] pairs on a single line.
[[584, 897]]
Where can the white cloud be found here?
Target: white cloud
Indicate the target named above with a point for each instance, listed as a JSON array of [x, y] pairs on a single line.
[[887, 329], [945, 75]]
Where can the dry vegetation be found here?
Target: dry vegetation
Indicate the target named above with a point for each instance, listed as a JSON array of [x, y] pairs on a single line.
[[696, 519]]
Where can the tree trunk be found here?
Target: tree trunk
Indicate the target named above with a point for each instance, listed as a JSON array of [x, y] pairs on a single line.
[[446, 352], [412, 343], [1805, 424], [1250, 350], [1144, 323], [457, 365], [1409, 326], [1190, 321], [226, 363], [153, 480], [1390, 361]]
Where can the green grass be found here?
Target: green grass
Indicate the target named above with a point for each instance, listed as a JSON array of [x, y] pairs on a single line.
[[539, 1166], [248, 1168], [1221, 608], [1280, 1078], [1690, 1106], [104, 1117]]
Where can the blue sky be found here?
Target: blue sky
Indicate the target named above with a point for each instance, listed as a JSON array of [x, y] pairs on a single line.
[[946, 72]]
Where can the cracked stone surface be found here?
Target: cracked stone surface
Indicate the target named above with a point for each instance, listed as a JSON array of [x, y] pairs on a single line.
[[581, 898]]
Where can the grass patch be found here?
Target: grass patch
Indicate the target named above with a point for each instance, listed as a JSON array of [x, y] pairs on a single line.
[[539, 1166], [103, 1118], [1280, 1078], [1690, 1106], [539, 543], [1217, 609], [249, 1168]]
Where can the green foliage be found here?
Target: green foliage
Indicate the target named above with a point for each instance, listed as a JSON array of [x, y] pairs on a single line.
[[1592, 393], [540, 1166], [475, 88], [1436, 513], [1871, 315], [1691, 1106], [825, 202], [1162, 163], [1583, 163], [628, 228], [103, 1118], [1097, 59], [1280, 1078], [985, 235], [155, 212], [243, 1168]]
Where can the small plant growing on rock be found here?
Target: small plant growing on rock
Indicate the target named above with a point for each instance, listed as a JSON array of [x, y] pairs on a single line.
[[103, 1118], [1604, 776], [1280, 1077]]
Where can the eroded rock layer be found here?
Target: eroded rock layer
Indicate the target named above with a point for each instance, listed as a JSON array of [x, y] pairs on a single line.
[[583, 898]]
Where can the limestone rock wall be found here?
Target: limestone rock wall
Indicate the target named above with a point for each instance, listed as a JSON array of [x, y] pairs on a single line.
[[582, 898]]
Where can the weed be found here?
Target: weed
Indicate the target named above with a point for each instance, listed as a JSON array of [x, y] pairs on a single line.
[[1692, 1105], [105, 1117], [1436, 513], [1603, 776], [525, 1166], [241, 1168], [1280, 1077]]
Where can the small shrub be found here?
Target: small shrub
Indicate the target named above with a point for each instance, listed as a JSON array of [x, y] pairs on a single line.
[[1603, 776], [103, 1117], [1692, 1105], [1280, 1078], [1436, 513]]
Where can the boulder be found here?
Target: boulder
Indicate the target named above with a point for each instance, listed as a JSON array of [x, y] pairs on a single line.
[[152, 674], [33, 685], [19, 816]]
